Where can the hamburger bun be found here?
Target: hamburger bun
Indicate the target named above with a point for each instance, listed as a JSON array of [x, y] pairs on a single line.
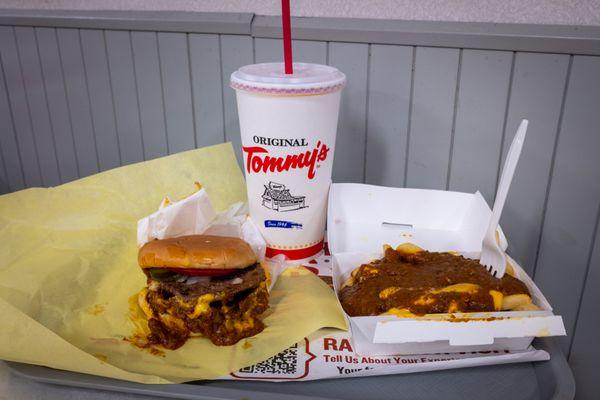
[[197, 251]]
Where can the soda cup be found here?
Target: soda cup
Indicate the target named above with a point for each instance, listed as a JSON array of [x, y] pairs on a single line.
[[288, 125]]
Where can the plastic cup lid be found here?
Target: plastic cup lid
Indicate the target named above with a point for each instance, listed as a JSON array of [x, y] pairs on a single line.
[[270, 78]]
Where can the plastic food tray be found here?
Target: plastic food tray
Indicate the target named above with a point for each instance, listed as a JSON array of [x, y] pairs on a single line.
[[540, 380]]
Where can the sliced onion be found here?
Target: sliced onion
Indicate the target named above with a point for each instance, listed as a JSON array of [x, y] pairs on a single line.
[[197, 279]]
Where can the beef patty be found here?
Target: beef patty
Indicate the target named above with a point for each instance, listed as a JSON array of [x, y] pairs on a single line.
[[223, 309], [228, 285]]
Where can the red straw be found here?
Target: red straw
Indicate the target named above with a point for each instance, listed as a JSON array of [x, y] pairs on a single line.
[[287, 36]]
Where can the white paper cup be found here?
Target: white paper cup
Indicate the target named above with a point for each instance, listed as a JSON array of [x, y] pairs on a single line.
[[288, 125]]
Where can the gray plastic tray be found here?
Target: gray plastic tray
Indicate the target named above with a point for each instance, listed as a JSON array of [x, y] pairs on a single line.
[[540, 380]]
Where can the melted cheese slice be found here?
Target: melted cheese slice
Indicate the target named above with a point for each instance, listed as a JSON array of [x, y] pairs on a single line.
[[387, 292], [453, 307], [202, 305], [400, 312], [173, 322], [497, 297], [143, 303], [424, 300], [469, 288], [243, 325]]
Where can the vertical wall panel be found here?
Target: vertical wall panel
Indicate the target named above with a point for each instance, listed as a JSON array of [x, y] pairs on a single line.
[[267, 50], [390, 74], [175, 75], [101, 99], [352, 59], [484, 82], [536, 94], [574, 195], [235, 52], [18, 105], [127, 114], [432, 114], [78, 100], [585, 351], [60, 122], [205, 62], [308, 51], [150, 93], [8, 142], [38, 106]]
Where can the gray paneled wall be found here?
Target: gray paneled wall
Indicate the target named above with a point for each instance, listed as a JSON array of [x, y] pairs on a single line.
[[421, 109]]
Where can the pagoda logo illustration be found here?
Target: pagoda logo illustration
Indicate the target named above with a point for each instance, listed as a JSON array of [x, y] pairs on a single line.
[[276, 197]]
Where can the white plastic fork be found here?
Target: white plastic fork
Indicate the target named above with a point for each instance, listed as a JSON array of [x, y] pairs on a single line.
[[492, 256]]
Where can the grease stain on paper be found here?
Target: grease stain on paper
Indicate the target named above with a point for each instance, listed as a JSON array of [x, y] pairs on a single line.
[[103, 358], [96, 309]]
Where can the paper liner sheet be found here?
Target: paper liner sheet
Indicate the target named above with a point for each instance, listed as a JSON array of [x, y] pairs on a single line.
[[328, 354], [69, 265]]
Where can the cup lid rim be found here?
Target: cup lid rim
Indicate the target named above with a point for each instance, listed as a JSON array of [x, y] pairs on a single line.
[[272, 76]]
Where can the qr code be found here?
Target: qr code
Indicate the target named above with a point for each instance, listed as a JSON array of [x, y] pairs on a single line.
[[283, 363]]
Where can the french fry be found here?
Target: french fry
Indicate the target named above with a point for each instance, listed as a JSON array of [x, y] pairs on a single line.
[[408, 248]]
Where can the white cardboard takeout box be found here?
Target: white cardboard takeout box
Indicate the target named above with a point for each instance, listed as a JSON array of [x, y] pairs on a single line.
[[362, 218]]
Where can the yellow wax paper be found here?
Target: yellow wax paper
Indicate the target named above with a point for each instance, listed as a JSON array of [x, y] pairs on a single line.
[[68, 265]]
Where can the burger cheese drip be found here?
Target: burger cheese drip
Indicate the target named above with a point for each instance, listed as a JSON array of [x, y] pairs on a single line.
[[409, 281], [202, 285]]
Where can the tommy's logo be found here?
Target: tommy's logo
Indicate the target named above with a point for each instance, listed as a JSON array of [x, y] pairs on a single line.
[[258, 160]]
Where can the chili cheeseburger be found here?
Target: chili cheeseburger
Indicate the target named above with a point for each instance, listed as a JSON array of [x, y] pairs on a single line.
[[210, 286]]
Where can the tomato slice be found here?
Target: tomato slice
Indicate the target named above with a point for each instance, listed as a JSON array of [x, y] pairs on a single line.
[[202, 271]]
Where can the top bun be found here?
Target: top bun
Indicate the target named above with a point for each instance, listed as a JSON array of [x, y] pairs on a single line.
[[197, 251]]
